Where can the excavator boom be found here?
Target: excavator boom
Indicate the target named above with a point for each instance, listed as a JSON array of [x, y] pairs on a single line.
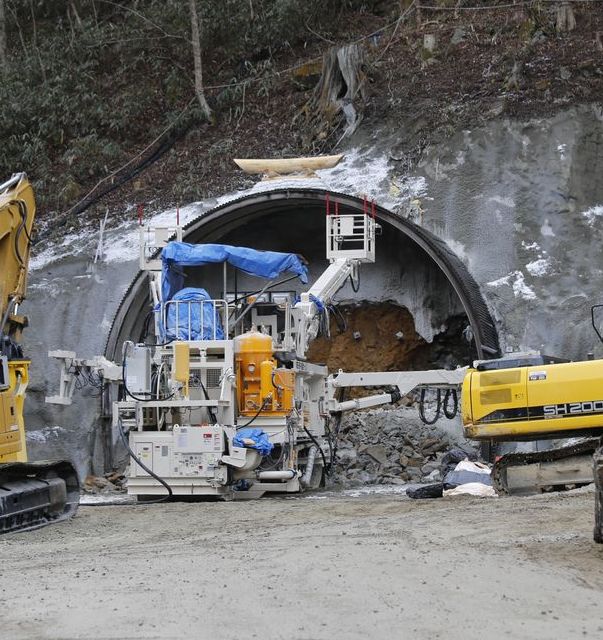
[[31, 494]]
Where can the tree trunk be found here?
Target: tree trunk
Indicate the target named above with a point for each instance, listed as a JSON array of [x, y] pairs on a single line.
[[3, 55], [196, 35], [339, 96], [566, 21]]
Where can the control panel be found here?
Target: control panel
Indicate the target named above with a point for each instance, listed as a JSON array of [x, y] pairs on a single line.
[[185, 452]]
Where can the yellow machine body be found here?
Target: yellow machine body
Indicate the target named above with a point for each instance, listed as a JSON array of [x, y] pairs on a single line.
[[32, 494], [259, 382], [17, 213], [182, 365], [527, 403], [12, 425]]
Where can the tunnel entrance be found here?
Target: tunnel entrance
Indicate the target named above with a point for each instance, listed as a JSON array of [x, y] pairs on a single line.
[[416, 282]]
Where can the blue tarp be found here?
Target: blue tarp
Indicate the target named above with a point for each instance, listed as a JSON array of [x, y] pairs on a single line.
[[204, 319], [260, 438], [266, 264]]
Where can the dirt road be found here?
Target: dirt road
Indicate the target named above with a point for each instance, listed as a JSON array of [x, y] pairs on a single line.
[[324, 567]]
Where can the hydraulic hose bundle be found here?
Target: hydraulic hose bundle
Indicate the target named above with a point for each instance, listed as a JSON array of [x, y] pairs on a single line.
[[442, 405]]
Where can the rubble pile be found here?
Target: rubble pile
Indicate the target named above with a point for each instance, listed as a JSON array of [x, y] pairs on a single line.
[[113, 482], [393, 446]]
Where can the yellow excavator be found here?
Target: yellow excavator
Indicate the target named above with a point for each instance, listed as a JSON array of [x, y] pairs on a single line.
[[531, 397], [32, 494]]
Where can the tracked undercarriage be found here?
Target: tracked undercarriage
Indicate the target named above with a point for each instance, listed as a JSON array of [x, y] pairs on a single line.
[[35, 494], [541, 471]]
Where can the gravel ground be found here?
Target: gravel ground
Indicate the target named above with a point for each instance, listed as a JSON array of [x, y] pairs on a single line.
[[355, 564]]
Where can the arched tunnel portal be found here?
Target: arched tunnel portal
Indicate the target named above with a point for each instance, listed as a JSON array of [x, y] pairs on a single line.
[[414, 268]]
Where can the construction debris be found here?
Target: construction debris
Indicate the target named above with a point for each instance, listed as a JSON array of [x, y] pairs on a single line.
[[393, 446]]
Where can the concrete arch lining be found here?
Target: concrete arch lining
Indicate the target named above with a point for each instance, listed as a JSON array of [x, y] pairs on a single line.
[[216, 223]]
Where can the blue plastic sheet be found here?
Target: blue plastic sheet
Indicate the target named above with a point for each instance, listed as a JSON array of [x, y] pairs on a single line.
[[266, 264], [260, 438], [193, 318]]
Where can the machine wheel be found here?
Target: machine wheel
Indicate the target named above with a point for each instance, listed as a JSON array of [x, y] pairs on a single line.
[[598, 469]]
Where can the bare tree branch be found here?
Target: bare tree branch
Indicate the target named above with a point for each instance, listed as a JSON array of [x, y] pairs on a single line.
[[196, 41]]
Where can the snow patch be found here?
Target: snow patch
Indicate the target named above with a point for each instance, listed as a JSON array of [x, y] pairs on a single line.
[[45, 434], [361, 173], [546, 229], [459, 249], [516, 280], [539, 267], [592, 214], [506, 202], [532, 245]]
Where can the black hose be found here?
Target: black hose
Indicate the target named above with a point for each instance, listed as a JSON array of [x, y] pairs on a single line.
[[143, 466], [322, 453], [144, 332], [355, 288], [255, 416], [450, 393], [436, 417], [129, 393], [342, 325], [212, 415]]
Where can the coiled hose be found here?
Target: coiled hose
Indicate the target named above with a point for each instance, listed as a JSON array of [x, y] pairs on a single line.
[[442, 406], [422, 415]]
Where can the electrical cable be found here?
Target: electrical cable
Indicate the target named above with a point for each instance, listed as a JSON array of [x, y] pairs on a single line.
[[450, 393], [212, 415], [342, 323], [355, 287], [143, 466], [274, 463], [279, 387], [422, 415], [125, 384], [322, 453], [274, 284], [144, 332], [255, 416]]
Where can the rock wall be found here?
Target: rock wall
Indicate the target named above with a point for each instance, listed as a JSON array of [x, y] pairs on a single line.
[[522, 204]]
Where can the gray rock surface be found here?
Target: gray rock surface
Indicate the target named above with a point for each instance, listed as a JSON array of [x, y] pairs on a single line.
[[392, 445]]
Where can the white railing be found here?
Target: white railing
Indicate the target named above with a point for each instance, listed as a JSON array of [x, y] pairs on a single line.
[[152, 240], [351, 236], [193, 320]]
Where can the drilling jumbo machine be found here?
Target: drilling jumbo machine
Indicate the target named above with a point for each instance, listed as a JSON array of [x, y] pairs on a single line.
[[218, 399], [31, 494]]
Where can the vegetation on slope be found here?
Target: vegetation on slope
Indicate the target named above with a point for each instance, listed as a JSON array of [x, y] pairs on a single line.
[[96, 92]]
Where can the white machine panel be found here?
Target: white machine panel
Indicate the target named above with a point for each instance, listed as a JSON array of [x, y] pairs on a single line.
[[185, 452], [198, 439]]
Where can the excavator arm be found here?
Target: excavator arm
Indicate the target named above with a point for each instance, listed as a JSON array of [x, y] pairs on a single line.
[[17, 213], [31, 494]]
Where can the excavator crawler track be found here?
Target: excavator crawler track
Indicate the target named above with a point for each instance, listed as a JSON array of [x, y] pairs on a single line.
[[35, 494], [533, 472]]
